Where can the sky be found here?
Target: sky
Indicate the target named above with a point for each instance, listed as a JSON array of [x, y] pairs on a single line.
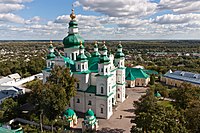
[[100, 19]]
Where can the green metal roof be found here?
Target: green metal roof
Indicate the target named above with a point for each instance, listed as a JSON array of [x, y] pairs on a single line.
[[83, 72], [130, 76], [119, 46], [73, 41], [96, 54], [81, 47], [104, 58], [119, 55], [93, 64], [81, 57], [136, 73], [91, 89], [51, 56], [150, 72], [67, 60], [5, 130], [157, 94], [89, 113], [73, 23], [104, 48], [105, 76]]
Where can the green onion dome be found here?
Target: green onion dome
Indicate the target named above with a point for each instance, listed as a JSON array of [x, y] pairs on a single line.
[[69, 113], [119, 55], [104, 59], [81, 57], [119, 46], [89, 113], [81, 47], [104, 48], [96, 54], [51, 56], [73, 41]]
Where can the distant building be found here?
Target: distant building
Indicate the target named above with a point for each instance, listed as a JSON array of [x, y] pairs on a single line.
[[176, 78], [9, 91], [136, 77], [10, 86]]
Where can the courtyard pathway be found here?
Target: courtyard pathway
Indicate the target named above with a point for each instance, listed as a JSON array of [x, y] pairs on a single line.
[[126, 110], [115, 124]]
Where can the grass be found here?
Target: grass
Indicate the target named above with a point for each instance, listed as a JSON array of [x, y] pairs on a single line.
[[165, 103]]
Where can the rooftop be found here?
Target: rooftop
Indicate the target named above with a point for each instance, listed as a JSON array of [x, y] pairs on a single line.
[[184, 76]]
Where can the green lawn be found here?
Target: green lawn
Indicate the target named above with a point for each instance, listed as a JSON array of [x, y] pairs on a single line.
[[165, 103]]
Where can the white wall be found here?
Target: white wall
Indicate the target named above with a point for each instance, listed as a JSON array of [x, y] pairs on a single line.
[[69, 51]]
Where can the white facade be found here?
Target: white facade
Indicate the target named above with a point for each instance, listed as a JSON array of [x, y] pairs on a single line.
[[98, 88]]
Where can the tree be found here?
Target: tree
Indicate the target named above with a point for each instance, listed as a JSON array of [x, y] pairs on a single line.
[[152, 117], [185, 95], [152, 79], [61, 76], [192, 115], [52, 97], [9, 109]]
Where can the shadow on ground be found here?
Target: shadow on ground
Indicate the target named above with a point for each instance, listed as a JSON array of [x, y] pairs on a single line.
[[129, 110], [108, 130]]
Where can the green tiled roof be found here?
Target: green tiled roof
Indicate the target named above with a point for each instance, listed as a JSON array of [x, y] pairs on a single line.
[[136, 73]]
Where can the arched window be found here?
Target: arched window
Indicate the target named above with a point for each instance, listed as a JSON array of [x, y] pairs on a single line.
[[118, 96], [78, 100], [101, 89], [89, 102], [102, 110], [77, 85]]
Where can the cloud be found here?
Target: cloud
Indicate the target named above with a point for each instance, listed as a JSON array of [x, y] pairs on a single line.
[[15, 1], [119, 8], [180, 6], [9, 17], [4, 8], [176, 19]]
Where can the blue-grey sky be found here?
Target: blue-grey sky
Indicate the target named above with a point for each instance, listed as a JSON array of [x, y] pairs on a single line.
[[100, 19]]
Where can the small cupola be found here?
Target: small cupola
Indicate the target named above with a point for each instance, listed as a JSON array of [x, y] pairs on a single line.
[[96, 51]]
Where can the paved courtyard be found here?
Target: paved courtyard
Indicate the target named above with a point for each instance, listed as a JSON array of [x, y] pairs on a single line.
[[125, 109]]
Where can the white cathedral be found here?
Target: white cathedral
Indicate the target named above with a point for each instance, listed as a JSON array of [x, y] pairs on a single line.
[[101, 76]]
